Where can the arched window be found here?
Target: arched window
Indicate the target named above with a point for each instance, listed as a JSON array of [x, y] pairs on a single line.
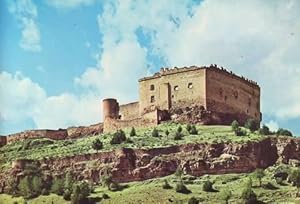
[[152, 87], [190, 85], [152, 99], [176, 88]]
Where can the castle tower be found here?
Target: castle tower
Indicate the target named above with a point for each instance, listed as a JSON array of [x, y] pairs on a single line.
[[110, 108]]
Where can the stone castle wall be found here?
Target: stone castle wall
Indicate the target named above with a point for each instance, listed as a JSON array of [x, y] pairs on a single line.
[[149, 119], [129, 111], [231, 97], [172, 89]]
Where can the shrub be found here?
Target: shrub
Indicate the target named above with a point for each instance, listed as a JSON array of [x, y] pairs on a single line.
[[240, 132], [68, 182], [259, 174], [193, 200], [295, 178], [252, 125], [97, 144], [166, 185], [67, 194], [208, 186], [188, 127], [248, 194], [37, 184], [80, 193], [181, 188], [193, 130], [226, 195], [235, 125], [178, 136], [118, 137], [264, 130], [179, 129], [57, 186], [179, 173], [25, 187], [155, 133], [132, 132], [284, 132], [113, 186]]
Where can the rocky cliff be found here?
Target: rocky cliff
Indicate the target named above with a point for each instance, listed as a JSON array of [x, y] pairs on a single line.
[[127, 164]]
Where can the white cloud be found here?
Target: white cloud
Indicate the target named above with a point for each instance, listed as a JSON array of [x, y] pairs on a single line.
[[26, 12], [69, 4], [273, 125]]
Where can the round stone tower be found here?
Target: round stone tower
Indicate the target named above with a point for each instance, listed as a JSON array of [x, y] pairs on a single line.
[[110, 108]]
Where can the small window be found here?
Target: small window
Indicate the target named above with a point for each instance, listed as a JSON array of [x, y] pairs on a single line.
[[152, 99], [152, 87], [176, 88], [235, 94], [190, 85], [221, 92]]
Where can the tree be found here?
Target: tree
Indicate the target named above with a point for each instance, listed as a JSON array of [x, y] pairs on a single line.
[[25, 187], [295, 178], [68, 182], [193, 200], [57, 186], [240, 132], [248, 194], [80, 193], [252, 125], [166, 185], [178, 136], [118, 137], [264, 130], [37, 184], [188, 127], [155, 133], [208, 186], [284, 132], [193, 130], [179, 173], [226, 195], [181, 188], [132, 132], [259, 174], [97, 144], [235, 125], [179, 129]]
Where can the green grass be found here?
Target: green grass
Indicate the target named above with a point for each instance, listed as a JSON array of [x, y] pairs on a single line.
[[151, 191], [49, 199], [46, 148]]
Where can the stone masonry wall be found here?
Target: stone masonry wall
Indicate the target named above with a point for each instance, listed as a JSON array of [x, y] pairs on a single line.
[[230, 96], [129, 111], [177, 88], [148, 120]]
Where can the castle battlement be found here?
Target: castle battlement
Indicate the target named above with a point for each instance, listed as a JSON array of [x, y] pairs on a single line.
[[175, 70]]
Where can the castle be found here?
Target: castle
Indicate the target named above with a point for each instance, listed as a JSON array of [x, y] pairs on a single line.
[[215, 95]]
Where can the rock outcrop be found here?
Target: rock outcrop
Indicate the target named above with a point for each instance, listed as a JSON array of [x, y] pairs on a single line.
[[127, 164]]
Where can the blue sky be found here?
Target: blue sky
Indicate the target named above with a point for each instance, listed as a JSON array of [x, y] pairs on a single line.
[[60, 58]]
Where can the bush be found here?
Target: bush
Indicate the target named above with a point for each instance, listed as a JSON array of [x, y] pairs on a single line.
[[57, 186], [188, 127], [179, 129], [178, 136], [295, 177], [155, 133], [252, 125], [68, 182], [179, 173], [208, 186], [97, 144], [118, 137], [193, 130], [235, 125], [67, 194], [113, 186], [284, 132], [30, 186], [132, 132], [259, 174], [248, 194], [226, 195], [240, 132], [80, 193], [166, 185], [264, 130], [181, 188], [193, 200]]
